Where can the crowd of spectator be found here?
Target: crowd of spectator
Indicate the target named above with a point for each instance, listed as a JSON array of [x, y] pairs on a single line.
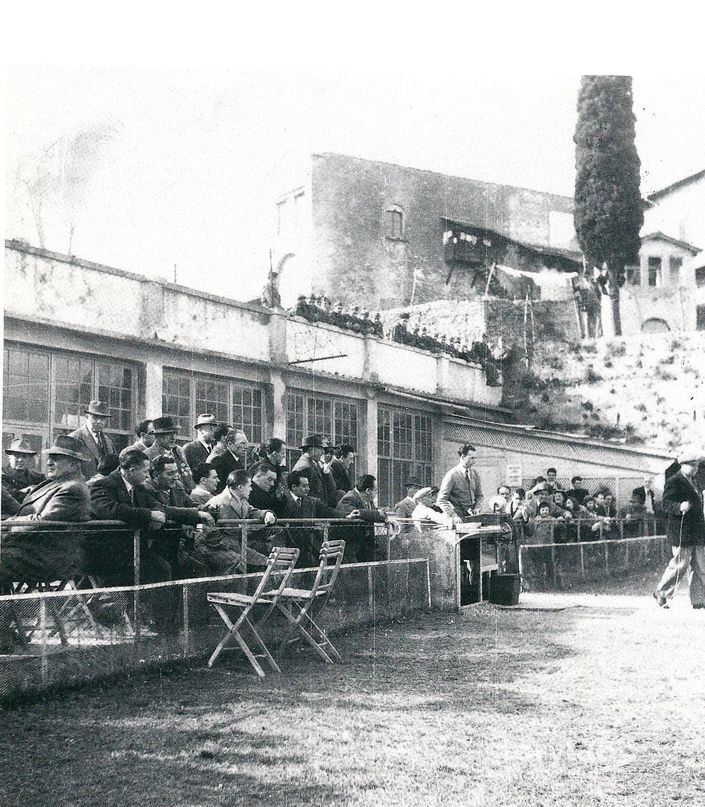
[[186, 501], [320, 309]]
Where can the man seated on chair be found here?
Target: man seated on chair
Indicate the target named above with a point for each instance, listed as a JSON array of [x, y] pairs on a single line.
[[206, 478], [122, 496], [233, 504], [179, 508], [265, 494], [31, 554], [301, 505], [361, 499], [19, 475]]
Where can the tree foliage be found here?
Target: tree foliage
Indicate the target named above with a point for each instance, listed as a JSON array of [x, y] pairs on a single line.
[[608, 208]]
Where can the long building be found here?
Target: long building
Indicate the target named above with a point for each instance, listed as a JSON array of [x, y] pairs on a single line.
[[76, 331]]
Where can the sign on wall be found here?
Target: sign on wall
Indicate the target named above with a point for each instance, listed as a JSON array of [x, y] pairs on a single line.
[[514, 475]]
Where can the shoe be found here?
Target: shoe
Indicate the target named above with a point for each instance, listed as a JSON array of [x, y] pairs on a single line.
[[698, 605], [660, 599]]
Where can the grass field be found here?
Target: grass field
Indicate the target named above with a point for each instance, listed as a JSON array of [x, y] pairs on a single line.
[[573, 699]]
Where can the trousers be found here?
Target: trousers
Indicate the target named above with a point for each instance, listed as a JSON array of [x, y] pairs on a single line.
[[688, 560]]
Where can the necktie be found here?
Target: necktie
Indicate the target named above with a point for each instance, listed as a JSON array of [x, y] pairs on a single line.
[[470, 488], [101, 444]]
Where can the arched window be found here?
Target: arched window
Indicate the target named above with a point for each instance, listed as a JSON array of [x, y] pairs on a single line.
[[394, 222], [655, 325]]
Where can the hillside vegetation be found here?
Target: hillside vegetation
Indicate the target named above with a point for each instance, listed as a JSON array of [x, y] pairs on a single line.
[[648, 389]]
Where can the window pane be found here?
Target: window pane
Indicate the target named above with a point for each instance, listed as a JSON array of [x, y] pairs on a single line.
[[176, 401], [26, 386], [212, 398], [405, 448], [247, 411]]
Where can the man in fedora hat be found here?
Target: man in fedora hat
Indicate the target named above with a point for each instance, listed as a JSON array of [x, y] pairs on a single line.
[[683, 505], [406, 506], [95, 444], [19, 474], [322, 485], [165, 445], [63, 495], [198, 450], [31, 554]]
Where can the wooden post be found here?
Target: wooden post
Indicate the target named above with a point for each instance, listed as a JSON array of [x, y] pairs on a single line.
[[43, 631], [184, 602], [243, 559], [582, 560], [136, 570]]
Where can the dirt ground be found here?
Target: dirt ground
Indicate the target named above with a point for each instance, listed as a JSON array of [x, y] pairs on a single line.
[[569, 699]]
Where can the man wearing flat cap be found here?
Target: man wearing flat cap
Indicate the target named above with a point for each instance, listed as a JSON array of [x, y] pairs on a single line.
[[94, 442], [321, 483], [19, 474], [683, 504], [198, 450], [165, 446]]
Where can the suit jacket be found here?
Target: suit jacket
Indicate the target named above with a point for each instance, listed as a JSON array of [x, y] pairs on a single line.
[[310, 507], [224, 464], [196, 453], [688, 529], [405, 507], [354, 501], [226, 506], [177, 454], [90, 449], [15, 480], [341, 477], [647, 493], [322, 485], [65, 499], [111, 501], [178, 506]]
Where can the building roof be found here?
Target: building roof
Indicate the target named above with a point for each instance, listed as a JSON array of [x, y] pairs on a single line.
[[570, 254], [676, 185], [658, 235]]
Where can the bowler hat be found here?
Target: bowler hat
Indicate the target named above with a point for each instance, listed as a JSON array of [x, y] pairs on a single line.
[[66, 446], [20, 446], [312, 441], [164, 425], [99, 408], [205, 420]]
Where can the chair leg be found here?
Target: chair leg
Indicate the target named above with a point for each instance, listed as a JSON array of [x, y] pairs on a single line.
[[221, 644], [272, 663], [322, 637], [297, 626], [234, 632]]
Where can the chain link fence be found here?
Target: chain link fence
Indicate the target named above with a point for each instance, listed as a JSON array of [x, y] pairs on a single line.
[[74, 629]]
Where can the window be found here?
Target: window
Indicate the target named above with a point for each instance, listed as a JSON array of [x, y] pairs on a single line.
[[334, 418], [186, 395], [654, 272], [700, 276], [404, 449], [394, 222], [49, 390], [26, 385], [675, 263]]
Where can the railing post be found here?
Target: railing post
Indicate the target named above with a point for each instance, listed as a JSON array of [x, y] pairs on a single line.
[[326, 531], [243, 545], [582, 560], [43, 631], [184, 603], [136, 570], [607, 559]]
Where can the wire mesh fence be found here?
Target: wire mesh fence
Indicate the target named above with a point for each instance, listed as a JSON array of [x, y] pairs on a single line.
[[74, 629], [555, 566]]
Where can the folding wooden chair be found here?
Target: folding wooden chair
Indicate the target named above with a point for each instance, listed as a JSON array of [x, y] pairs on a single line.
[[300, 606], [281, 563]]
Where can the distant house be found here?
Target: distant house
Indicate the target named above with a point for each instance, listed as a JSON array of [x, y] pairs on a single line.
[[384, 236], [666, 291]]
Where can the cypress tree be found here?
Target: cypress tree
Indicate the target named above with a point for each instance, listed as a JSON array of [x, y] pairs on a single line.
[[608, 208]]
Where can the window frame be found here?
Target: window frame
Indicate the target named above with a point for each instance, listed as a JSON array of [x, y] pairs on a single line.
[[417, 456]]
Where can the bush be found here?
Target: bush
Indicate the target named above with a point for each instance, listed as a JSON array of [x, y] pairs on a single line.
[[591, 377], [616, 349]]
